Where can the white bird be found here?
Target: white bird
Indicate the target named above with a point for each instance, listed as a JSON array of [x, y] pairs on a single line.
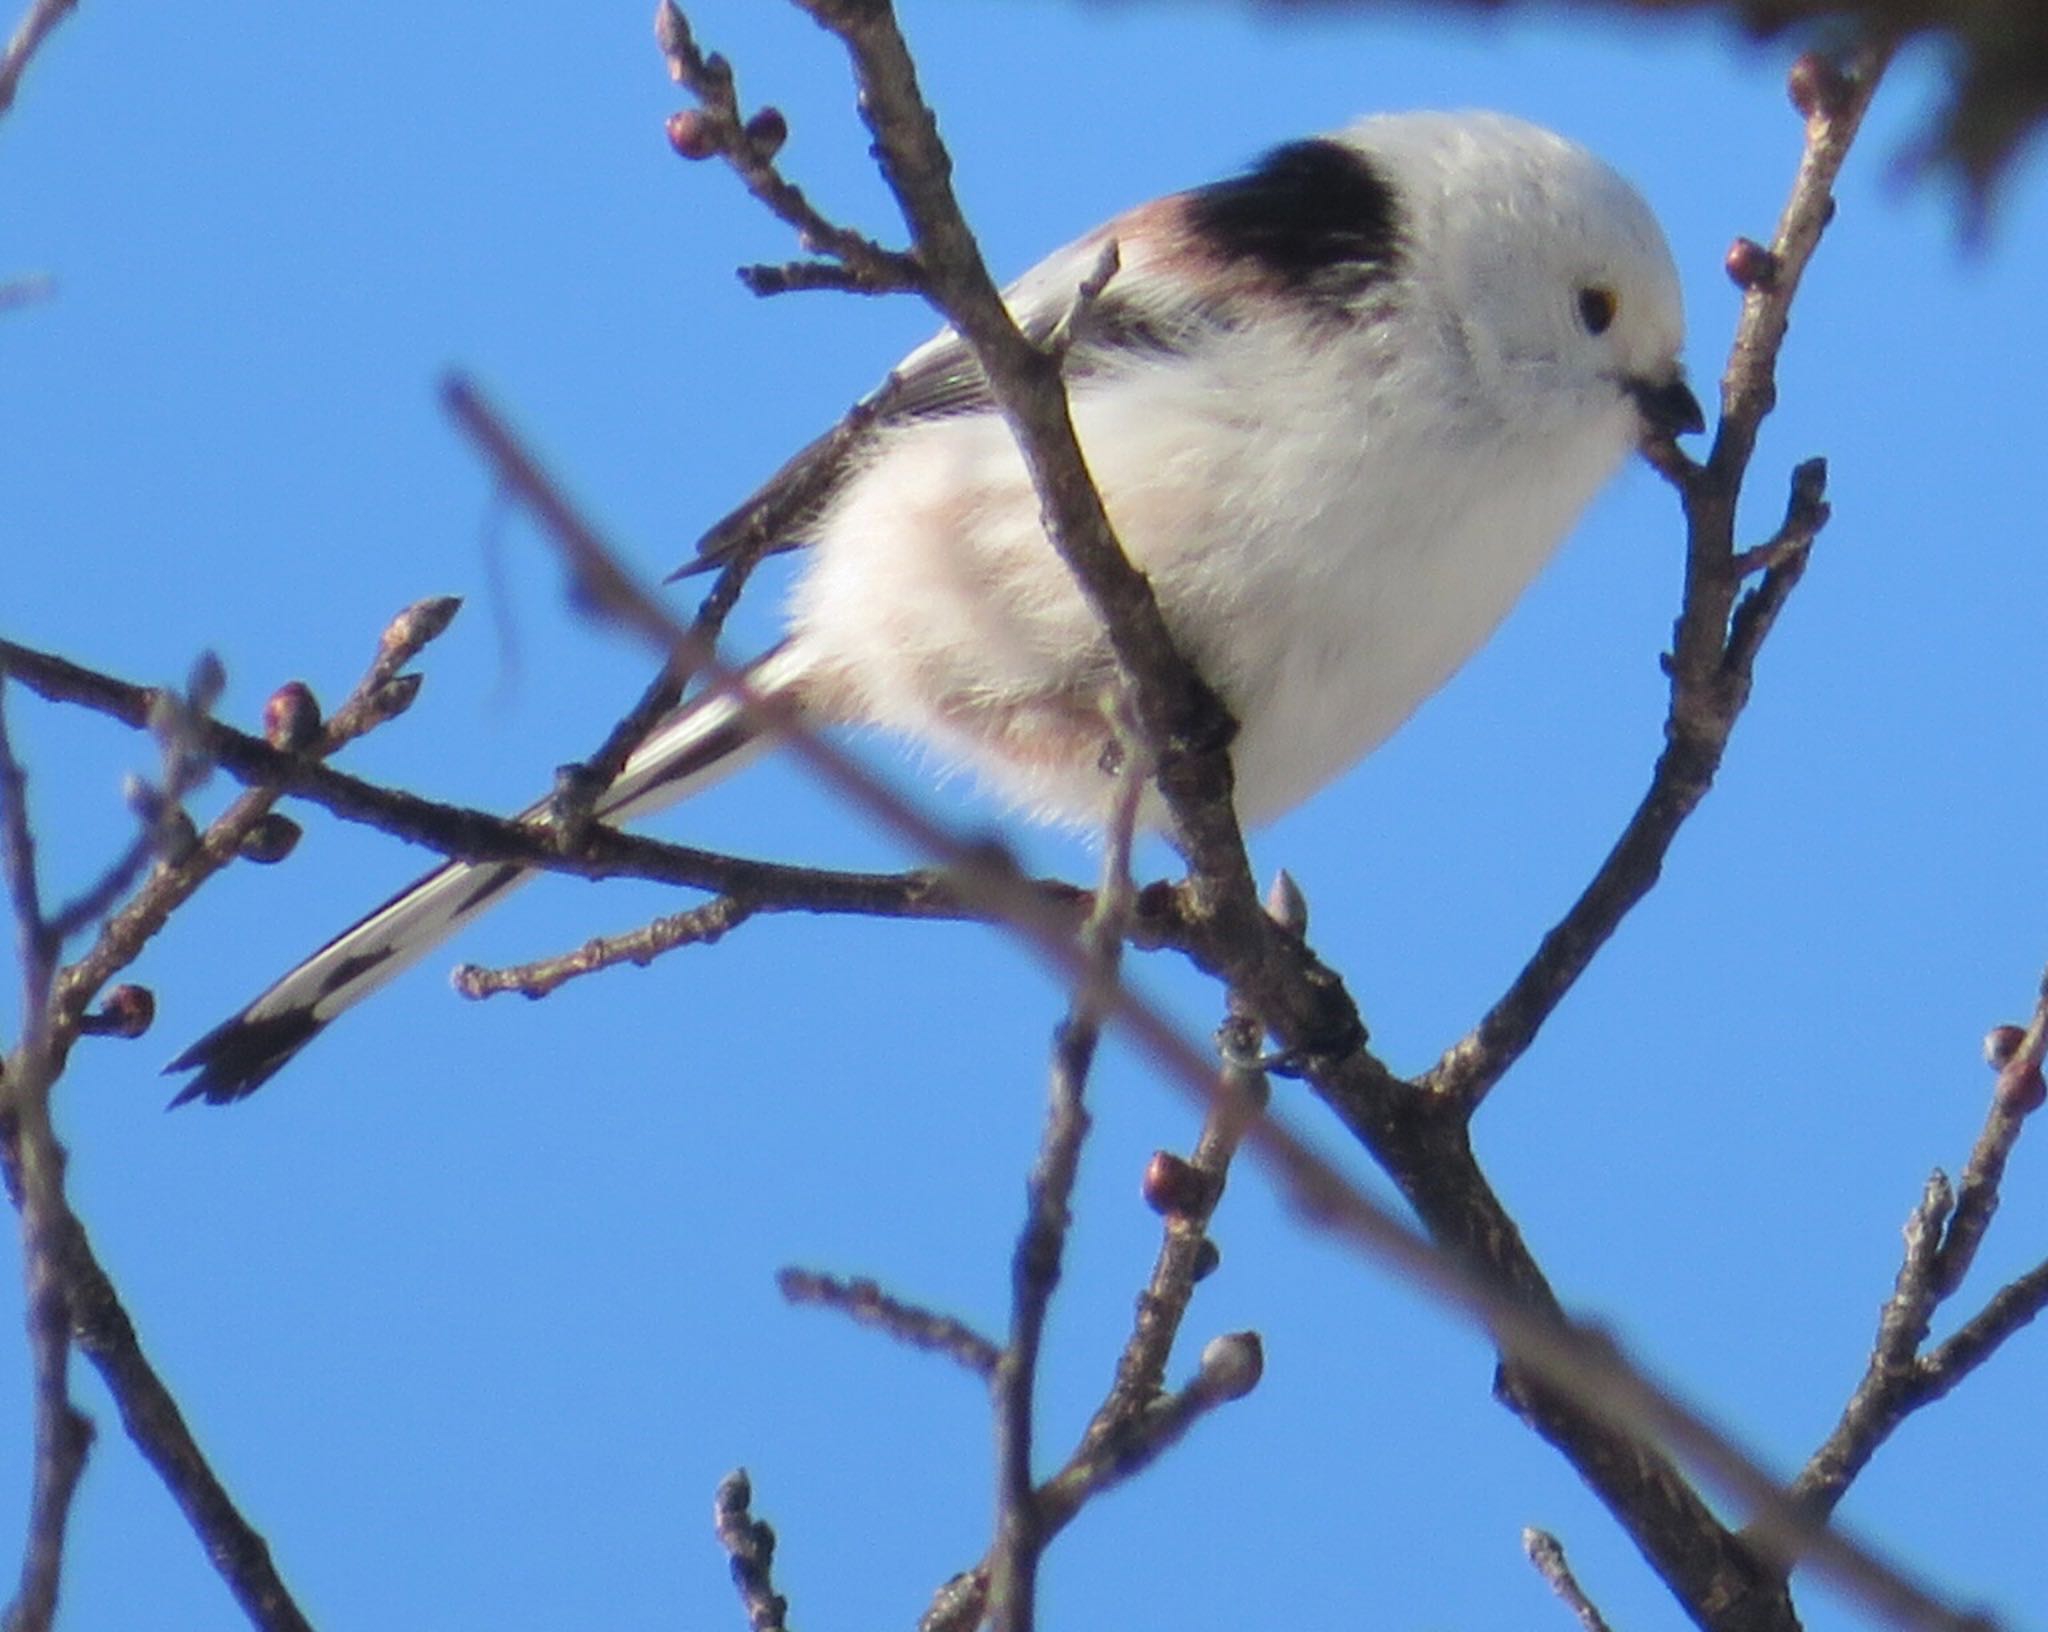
[[1341, 409]]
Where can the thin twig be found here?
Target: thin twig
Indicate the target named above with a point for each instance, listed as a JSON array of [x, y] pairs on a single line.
[[1547, 1554], [381, 695], [698, 926], [1020, 1534], [718, 127], [2013, 1098], [750, 1544], [1137, 1420], [72, 1299], [1186, 1253], [1941, 1242], [164, 831], [35, 27], [471, 834], [662, 695], [150, 1413], [865, 1302], [1231, 1368], [792, 277], [61, 1434], [33, 942], [2013, 1306], [1714, 646]]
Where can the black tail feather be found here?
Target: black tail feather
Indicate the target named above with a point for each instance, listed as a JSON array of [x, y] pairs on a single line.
[[236, 1058]]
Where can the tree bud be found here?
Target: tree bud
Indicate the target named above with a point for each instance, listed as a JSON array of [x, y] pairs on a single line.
[[1817, 86], [1286, 905], [291, 718], [126, 1012], [1173, 1187], [693, 135], [1750, 265], [1232, 1364], [274, 837], [2000, 1044], [766, 132]]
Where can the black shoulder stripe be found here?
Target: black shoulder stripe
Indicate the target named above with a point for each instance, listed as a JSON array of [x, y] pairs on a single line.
[[1314, 214]]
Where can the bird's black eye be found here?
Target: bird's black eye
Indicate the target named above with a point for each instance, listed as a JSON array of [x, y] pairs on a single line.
[[1596, 308]]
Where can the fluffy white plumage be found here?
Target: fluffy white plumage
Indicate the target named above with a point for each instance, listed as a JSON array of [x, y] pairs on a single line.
[[1341, 411], [1333, 518]]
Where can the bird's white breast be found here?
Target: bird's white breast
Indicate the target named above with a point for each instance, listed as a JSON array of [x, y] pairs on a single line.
[[1328, 555]]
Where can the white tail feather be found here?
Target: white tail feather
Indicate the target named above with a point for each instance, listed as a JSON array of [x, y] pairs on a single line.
[[700, 743]]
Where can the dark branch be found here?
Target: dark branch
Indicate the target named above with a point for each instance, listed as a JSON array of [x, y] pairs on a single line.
[[107, 1338], [72, 1301], [1021, 1533], [36, 25], [698, 926], [477, 835], [1942, 1237], [1547, 1554], [864, 1301], [1716, 641], [750, 1544], [716, 126]]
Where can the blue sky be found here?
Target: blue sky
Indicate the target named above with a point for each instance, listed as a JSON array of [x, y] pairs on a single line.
[[474, 1305]]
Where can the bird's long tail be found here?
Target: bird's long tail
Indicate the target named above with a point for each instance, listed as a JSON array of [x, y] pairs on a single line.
[[694, 747]]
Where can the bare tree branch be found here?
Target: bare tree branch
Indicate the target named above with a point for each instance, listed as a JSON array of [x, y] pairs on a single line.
[[602, 852], [1715, 643], [36, 25], [716, 126], [1137, 1420], [71, 1298], [865, 1302], [1179, 717], [150, 1414], [1021, 1534], [1230, 1369], [61, 1433], [698, 926], [750, 1544], [1942, 1237], [1547, 1554], [2010, 1308], [2014, 1097]]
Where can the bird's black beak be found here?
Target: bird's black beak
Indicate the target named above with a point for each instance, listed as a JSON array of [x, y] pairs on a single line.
[[1668, 406]]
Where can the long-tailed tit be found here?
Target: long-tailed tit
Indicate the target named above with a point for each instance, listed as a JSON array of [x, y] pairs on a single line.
[[1341, 409]]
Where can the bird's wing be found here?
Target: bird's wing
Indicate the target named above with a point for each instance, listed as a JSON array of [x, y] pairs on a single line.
[[1138, 318]]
